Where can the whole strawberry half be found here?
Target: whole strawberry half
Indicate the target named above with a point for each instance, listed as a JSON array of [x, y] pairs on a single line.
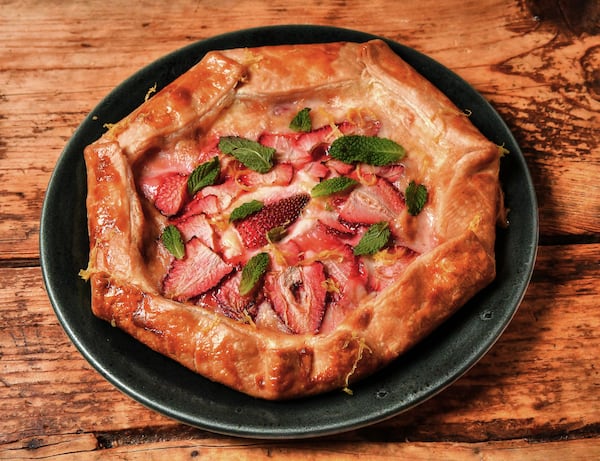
[[281, 213]]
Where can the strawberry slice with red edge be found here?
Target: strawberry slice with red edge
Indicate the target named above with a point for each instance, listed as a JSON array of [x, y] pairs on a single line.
[[346, 277], [280, 175], [231, 302], [370, 204], [197, 226], [197, 272], [298, 295], [253, 229], [171, 194]]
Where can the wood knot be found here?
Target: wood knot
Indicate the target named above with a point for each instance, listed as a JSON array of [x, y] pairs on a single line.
[[590, 64], [571, 17]]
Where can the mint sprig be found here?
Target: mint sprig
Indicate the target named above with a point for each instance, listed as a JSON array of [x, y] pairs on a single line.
[[204, 175], [333, 186], [376, 237], [252, 272], [171, 239], [415, 196], [371, 150], [251, 153], [245, 210], [301, 121]]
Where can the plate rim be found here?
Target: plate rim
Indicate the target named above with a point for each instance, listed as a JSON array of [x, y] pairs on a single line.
[[290, 430]]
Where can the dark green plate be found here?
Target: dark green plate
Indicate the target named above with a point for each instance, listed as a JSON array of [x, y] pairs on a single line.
[[170, 389]]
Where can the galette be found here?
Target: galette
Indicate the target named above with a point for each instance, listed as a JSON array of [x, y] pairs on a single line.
[[286, 220]]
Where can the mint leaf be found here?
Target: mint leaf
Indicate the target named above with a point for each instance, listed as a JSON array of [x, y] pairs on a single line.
[[251, 153], [415, 196], [204, 175], [371, 150], [244, 210], [276, 234], [301, 122], [332, 186], [171, 238], [376, 237], [252, 272]]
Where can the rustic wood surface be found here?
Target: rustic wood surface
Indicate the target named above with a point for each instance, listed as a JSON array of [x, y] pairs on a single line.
[[535, 395]]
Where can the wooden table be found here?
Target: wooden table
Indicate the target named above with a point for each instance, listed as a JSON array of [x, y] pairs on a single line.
[[535, 395]]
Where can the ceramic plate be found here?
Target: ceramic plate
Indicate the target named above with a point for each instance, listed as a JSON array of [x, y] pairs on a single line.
[[170, 389]]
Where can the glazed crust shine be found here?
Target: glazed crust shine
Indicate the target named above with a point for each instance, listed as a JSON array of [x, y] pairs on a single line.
[[456, 231]]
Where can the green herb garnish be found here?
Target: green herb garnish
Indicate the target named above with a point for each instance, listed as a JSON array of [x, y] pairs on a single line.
[[251, 153], [171, 239], [301, 122], [245, 210], [415, 197], [276, 234], [376, 237], [252, 272], [332, 186], [204, 175], [371, 150]]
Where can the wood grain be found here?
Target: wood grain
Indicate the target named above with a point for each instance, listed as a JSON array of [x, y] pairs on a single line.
[[83, 447], [538, 381], [542, 82]]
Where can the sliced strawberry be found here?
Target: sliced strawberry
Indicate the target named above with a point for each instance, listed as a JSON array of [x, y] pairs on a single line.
[[198, 271], [340, 229], [171, 194], [283, 212], [230, 302], [307, 142], [298, 295], [346, 279], [297, 148], [280, 175], [267, 318], [319, 238], [329, 246], [317, 170], [342, 168], [197, 226], [201, 204], [369, 204], [388, 266], [225, 193], [390, 172], [286, 149]]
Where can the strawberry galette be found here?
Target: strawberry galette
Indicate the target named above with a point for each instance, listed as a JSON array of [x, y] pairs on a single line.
[[285, 220]]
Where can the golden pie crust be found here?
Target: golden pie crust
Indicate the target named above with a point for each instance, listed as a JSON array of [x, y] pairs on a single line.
[[235, 89]]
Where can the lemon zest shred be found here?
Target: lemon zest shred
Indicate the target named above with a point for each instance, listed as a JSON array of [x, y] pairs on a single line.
[[324, 255], [330, 285], [368, 178], [150, 92], [86, 273], [247, 319], [502, 151], [361, 348]]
